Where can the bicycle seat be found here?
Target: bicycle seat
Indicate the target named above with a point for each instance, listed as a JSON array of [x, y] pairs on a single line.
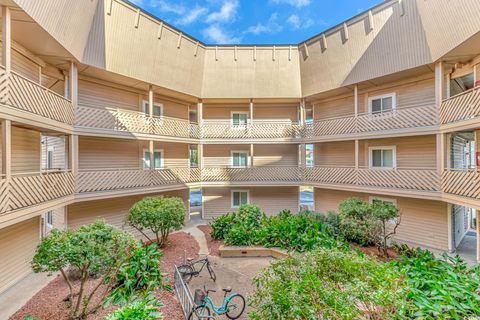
[[227, 289]]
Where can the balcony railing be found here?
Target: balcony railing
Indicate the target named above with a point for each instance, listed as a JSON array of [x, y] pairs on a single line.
[[266, 174], [33, 188], [120, 120], [24, 94], [258, 129], [463, 106], [399, 118], [416, 179], [462, 182]]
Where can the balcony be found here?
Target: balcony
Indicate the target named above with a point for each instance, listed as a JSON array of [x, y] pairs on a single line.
[[399, 119], [462, 182], [258, 129], [34, 188], [104, 180], [22, 94], [111, 120], [256, 175], [461, 107], [404, 179]]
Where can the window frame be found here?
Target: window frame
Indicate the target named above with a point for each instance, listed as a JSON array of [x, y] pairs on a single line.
[[162, 158], [313, 156], [239, 126], [392, 95], [394, 157], [240, 198], [189, 156], [49, 216], [155, 104], [232, 159]]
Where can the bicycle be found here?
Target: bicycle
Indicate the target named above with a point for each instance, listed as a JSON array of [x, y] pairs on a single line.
[[188, 270], [232, 307]]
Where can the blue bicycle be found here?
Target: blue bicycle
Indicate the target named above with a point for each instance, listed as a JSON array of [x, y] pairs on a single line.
[[232, 306]]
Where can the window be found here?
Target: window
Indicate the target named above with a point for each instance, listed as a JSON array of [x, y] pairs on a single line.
[[309, 115], [157, 159], [309, 155], [380, 104], [193, 156], [239, 119], [50, 153], [49, 219], [192, 114], [239, 159], [157, 109], [382, 157], [306, 201], [461, 84], [239, 197]]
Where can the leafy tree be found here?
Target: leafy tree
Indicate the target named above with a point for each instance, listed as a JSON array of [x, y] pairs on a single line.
[[160, 215], [357, 223], [97, 250], [388, 216]]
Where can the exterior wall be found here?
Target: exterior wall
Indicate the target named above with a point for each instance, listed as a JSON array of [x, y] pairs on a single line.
[[279, 111], [220, 155], [222, 112], [17, 247], [412, 152], [23, 64], [334, 107], [217, 201], [275, 155], [423, 222], [341, 153], [114, 211], [59, 151], [26, 150], [95, 95]]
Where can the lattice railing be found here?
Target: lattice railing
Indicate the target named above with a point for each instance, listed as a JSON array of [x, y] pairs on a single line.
[[400, 118], [258, 129], [27, 95], [400, 178], [463, 106], [135, 122], [252, 174], [24, 190], [465, 183], [330, 175]]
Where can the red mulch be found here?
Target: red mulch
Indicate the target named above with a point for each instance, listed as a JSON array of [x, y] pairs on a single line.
[[48, 303], [374, 252], [213, 245]]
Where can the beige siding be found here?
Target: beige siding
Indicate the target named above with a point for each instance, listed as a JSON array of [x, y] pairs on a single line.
[[59, 152], [223, 112], [275, 155], [338, 154], [113, 211], [275, 111], [423, 222], [170, 108], [220, 155], [174, 154], [217, 201], [412, 152], [334, 108], [108, 153], [96, 95], [25, 66], [17, 247], [25, 150]]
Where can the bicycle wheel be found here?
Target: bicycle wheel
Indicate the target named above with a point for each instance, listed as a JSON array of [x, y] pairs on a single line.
[[211, 272], [200, 312], [186, 272], [235, 306]]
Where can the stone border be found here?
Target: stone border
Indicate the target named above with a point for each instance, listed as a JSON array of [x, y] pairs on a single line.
[[253, 251]]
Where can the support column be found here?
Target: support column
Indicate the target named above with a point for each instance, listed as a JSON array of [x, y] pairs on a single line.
[[355, 100], [439, 80], [302, 112], [357, 146], [448, 148], [478, 234], [7, 149], [440, 153], [73, 83], [251, 110], [251, 155], [450, 228], [200, 156], [302, 150], [200, 113], [150, 101], [151, 151], [73, 152], [6, 38], [66, 85]]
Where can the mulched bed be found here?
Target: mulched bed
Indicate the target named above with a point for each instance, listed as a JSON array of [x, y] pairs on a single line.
[[213, 245], [48, 303], [373, 251]]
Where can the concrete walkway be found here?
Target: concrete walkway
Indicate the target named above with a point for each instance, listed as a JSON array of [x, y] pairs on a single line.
[[16, 297]]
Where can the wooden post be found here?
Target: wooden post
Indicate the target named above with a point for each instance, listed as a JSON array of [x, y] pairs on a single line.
[[440, 153], [251, 155], [355, 100], [7, 149], [200, 113], [439, 74], [478, 234], [66, 82], [251, 111], [200, 156], [150, 101], [450, 228], [73, 84], [356, 154], [302, 112], [6, 38], [448, 148], [73, 152], [151, 151]]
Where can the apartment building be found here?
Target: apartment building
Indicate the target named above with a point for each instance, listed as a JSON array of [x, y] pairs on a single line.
[[102, 104]]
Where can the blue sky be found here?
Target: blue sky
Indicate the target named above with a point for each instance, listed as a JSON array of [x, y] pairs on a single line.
[[254, 21]]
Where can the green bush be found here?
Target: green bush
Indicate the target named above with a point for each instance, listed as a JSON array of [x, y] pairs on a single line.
[[357, 223], [327, 284], [222, 225], [146, 308], [445, 288], [332, 222], [160, 215]]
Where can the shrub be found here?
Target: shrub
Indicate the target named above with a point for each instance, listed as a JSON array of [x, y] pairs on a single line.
[[445, 288], [222, 225], [332, 222], [387, 215], [327, 284], [357, 224], [160, 215], [146, 308]]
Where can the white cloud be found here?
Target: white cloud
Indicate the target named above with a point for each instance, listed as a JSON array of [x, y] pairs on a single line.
[[295, 3], [297, 23], [219, 36], [227, 12], [167, 6], [272, 26], [192, 16]]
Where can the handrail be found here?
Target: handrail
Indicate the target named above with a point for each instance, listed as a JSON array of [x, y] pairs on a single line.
[[461, 94]]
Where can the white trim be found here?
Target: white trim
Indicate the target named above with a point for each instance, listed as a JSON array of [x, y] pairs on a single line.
[[239, 126], [238, 190], [52, 150], [152, 165], [48, 225], [155, 104], [239, 151], [392, 95], [394, 157]]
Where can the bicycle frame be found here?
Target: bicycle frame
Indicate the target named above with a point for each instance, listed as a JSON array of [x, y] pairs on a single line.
[[222, 309], [203, 262]]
